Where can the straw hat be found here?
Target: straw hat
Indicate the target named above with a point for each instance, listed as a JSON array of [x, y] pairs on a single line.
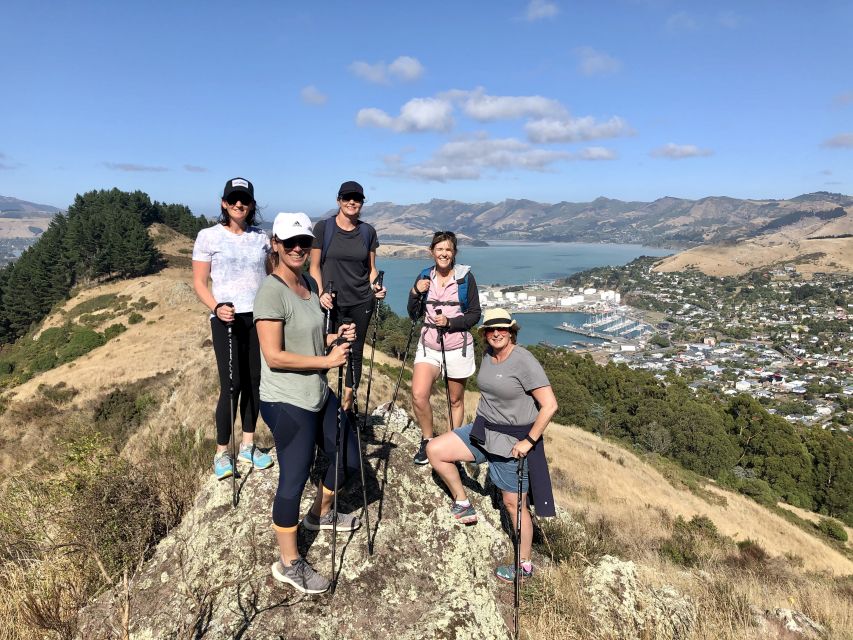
[[497, 319]]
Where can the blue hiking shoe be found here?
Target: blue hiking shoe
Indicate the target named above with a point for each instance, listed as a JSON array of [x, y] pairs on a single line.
[[250, 454], [506, 572], [222, 466]]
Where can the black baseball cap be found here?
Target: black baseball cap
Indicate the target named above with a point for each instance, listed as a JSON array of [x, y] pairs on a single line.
[[349, 187], [238, 185]]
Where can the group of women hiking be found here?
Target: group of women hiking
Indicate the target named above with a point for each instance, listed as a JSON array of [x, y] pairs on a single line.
[[277, 329]]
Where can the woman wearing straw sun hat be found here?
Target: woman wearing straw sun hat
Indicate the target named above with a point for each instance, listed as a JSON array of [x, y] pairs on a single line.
[[516, 405]]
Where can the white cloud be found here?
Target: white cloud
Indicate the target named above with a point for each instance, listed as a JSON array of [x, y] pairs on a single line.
[[595, 63], [679, 151], [576, 129], [418, 114], [133, 167], [540, 9], [194, 168], [312, 95], [729, 20], [375, 73], [840, 141], [598, 153], [482, 107], [404, 68], [468, 158], [680, 22]]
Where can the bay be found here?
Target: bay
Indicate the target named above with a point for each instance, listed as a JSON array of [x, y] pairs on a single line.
[[514, 263]]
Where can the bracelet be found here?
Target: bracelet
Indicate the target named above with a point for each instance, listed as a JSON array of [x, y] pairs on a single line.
[[530, 440]]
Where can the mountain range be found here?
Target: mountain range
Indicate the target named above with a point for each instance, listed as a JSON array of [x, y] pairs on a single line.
[[668, 221], [15, 208]]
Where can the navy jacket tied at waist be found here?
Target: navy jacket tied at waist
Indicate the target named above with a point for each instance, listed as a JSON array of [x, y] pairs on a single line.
[[541, 492]]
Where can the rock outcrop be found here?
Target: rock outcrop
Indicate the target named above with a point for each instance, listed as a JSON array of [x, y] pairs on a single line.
[[624, 608], [427, 578]]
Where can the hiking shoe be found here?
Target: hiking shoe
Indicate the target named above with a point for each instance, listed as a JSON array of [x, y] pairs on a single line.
[[506, 572], [346, 521], [464, 515], [301, 576], [222, 466], [250, 454], [421, 456]]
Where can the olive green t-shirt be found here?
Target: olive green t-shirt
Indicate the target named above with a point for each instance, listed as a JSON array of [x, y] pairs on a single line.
[[302, 333]]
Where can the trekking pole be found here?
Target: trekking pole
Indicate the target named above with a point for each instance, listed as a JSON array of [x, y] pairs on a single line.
[[229, 326], [337, 463], [328, 319], [441, 331], [406, 353], [517, 579], [366, 410]]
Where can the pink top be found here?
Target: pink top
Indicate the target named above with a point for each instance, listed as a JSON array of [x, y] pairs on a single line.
[[436, 295]]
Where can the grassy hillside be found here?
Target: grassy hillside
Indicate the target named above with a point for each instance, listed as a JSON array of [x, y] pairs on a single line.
[[122, 439]]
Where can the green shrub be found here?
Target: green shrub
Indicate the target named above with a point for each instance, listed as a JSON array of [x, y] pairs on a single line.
[[98, 303], [6, 367], [833, 529], [691, 541], [134, 318], [114, 330], [121, 412], [81, 341], [58, 393], [43, 362]]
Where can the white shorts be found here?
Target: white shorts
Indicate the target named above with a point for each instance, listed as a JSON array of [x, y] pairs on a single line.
[[458, 366]]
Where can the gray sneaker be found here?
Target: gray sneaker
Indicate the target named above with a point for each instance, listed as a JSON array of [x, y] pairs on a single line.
[[301, 576], [346, 521]]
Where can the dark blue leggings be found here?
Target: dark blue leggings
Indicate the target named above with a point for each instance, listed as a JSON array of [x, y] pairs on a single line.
[[296, 432]]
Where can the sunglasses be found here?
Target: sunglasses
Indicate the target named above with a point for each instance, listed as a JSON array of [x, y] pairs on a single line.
[[234, 198], [303, 242], [449, 234], [351, 197], [496, 329]]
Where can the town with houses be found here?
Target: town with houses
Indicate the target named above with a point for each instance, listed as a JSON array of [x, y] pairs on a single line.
[[781, 337]]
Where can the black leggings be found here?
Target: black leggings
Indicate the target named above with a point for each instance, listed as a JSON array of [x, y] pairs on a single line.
[[246, 368], [296, 432], [360, 314]]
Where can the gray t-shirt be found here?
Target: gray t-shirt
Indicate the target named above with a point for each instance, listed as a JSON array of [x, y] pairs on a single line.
[[302, 333], [505, 388]]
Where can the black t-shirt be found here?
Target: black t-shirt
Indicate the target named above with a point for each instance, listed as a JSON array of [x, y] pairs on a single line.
[[347, 261]]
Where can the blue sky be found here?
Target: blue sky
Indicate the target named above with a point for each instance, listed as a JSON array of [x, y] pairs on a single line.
[[477, 101]]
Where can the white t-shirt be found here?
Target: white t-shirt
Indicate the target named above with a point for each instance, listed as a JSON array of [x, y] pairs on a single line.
[[236, 263]]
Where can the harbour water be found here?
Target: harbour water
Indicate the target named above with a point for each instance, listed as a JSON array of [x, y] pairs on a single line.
[[514, 263]]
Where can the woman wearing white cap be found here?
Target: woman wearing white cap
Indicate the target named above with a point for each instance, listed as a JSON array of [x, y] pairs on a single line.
[[232, 254], [296, 401], [516, 404]]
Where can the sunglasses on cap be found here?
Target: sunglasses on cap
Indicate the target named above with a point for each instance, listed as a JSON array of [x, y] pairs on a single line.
[[449, 234], [303, 242], [237, 196]]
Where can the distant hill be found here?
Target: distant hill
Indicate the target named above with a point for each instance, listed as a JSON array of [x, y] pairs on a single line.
[[667, 221], [15, 208], [816, 242]]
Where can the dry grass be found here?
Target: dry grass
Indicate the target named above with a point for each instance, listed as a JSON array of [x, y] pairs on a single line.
[[608, 488]]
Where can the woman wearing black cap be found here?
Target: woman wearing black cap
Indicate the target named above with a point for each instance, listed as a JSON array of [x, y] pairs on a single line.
[[231, 255], [344, 253]]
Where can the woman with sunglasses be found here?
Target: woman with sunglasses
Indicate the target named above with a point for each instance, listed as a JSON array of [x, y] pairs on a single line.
[[516, 404], [231, 255], [296, 401], [446, 294], [344, 253]]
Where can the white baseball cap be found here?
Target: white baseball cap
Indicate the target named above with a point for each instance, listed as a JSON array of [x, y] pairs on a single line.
[[290, 225]]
